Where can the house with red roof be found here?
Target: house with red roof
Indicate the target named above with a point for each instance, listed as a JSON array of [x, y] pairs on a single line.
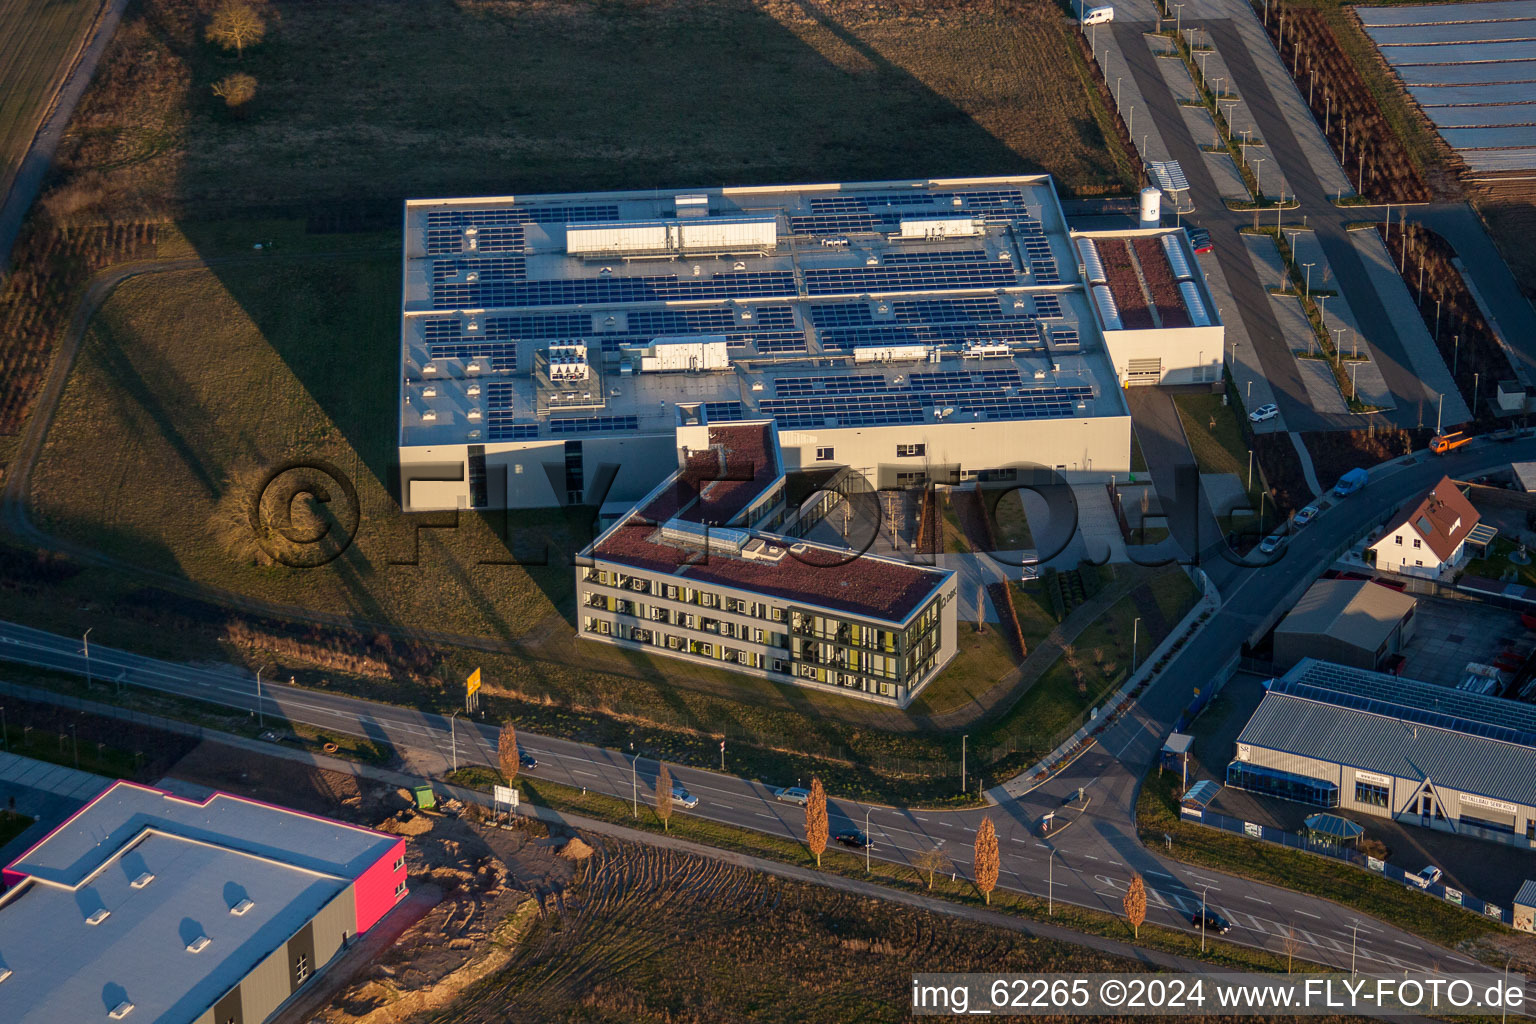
[[1428, 536]]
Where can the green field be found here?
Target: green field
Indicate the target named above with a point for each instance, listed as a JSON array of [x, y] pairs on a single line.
[[360, 105], [39, 40]]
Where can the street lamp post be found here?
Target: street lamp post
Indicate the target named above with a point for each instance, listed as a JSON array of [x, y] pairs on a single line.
[[1135, 636], [1050, 883], [1178, 20], [1258, 170], [1203, 893], [1455, 355], [1353, 938], [1250, 470], [867, 841], [1352, 368], [1250, 391], [634, 785], [1441, 414], [261, 720], [963, 740], [86, 640], [453, 738], [1474, 396], [1307, 287], [1117, 91]]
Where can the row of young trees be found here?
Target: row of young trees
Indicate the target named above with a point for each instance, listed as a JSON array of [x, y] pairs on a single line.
[[986, 856]]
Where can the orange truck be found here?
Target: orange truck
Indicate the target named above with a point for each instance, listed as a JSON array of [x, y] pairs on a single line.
[[1441, 444]]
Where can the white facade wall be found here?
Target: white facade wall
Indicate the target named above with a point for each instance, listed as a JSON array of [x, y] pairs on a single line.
[[1395, 552], [1189, 354], [1403, 795]]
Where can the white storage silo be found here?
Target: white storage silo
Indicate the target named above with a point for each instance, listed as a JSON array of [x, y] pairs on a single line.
[[1151, 207]]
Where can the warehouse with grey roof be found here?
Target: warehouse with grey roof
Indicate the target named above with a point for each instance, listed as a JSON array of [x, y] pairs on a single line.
[[1335, 736]]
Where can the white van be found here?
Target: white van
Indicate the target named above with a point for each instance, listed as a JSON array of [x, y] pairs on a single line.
[[1095, 15]]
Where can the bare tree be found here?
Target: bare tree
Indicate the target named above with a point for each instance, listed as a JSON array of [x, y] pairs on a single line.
[[664, 796], [1136, 903], [506, 752], [1075, 666], [1291, 944], [816, 820], [986, 858], [236, 90], [933, 861], [236, 25]]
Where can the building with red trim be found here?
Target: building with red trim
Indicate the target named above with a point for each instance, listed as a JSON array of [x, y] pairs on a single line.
[[147, 906]]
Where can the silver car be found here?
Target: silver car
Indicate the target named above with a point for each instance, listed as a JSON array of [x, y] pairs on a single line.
[[793, 795]]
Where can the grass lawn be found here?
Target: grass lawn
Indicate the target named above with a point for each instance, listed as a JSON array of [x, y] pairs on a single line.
[[1497, 564], [982, 659], [1436, 920], [39, 39], [1055, 706], [571, 96], [1010, 522], [1033, 611], [1224, 449]]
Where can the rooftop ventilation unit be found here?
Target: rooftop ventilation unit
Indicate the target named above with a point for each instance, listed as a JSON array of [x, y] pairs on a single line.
[[240, 909], [940, 227], [472, 390], [430, 416], [568, 362], [429, 368], [98, 915], [121, 1010], [1176, 258], [198, 944], [142, 880], [472, 368], [693, 205], [430, 391], [474, 415], [5, 972], [715, 539]]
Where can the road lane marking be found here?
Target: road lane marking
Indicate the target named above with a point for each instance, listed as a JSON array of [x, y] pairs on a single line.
[[1257, 900], [1314, 917]]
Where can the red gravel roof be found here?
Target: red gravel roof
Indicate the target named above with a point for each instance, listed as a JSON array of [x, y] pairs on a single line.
[[713, 486], [826, 577], [716, 483]]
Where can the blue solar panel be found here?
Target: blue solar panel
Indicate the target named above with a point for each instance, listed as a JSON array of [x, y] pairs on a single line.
[[1064, 337], [833, 223], [938, 310], [722, 412], [1047, 306], [593, 424], [908, 277], [628, 289], [842, 314], [929, 256], [513, 431]]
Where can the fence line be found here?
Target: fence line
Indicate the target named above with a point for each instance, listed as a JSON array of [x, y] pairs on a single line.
[[1269, 834]]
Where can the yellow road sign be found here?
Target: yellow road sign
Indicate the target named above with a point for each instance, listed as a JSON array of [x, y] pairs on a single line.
[[472, 684]]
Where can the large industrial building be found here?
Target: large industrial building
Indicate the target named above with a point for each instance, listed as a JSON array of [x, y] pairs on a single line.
[[1422, 754], [698, 571], [145, 906], [552, 346]]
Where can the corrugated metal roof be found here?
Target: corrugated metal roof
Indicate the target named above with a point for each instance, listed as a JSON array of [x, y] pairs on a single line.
[[1357, 611], [1526, 897], [1376, 743]]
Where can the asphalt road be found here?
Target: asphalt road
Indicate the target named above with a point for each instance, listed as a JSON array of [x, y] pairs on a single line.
[[1315, 207], [1087, 863]]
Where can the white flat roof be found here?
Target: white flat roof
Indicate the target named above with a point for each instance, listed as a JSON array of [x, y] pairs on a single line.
[[126, 809], [490, 285], [65, 969]]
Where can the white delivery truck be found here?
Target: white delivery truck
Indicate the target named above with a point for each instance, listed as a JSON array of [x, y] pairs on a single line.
[[1089, 13]]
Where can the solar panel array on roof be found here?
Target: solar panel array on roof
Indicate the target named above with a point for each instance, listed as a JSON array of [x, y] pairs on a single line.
[[1000, 332], [495, 337], [472, 283], [911, 276], [500, 238], [593, 424], [657, 288], [840, 314], [868, 400], [1410, 701], [1037, 249], [722, 412], [1065, 337], [940, 310], [1047, 306]]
